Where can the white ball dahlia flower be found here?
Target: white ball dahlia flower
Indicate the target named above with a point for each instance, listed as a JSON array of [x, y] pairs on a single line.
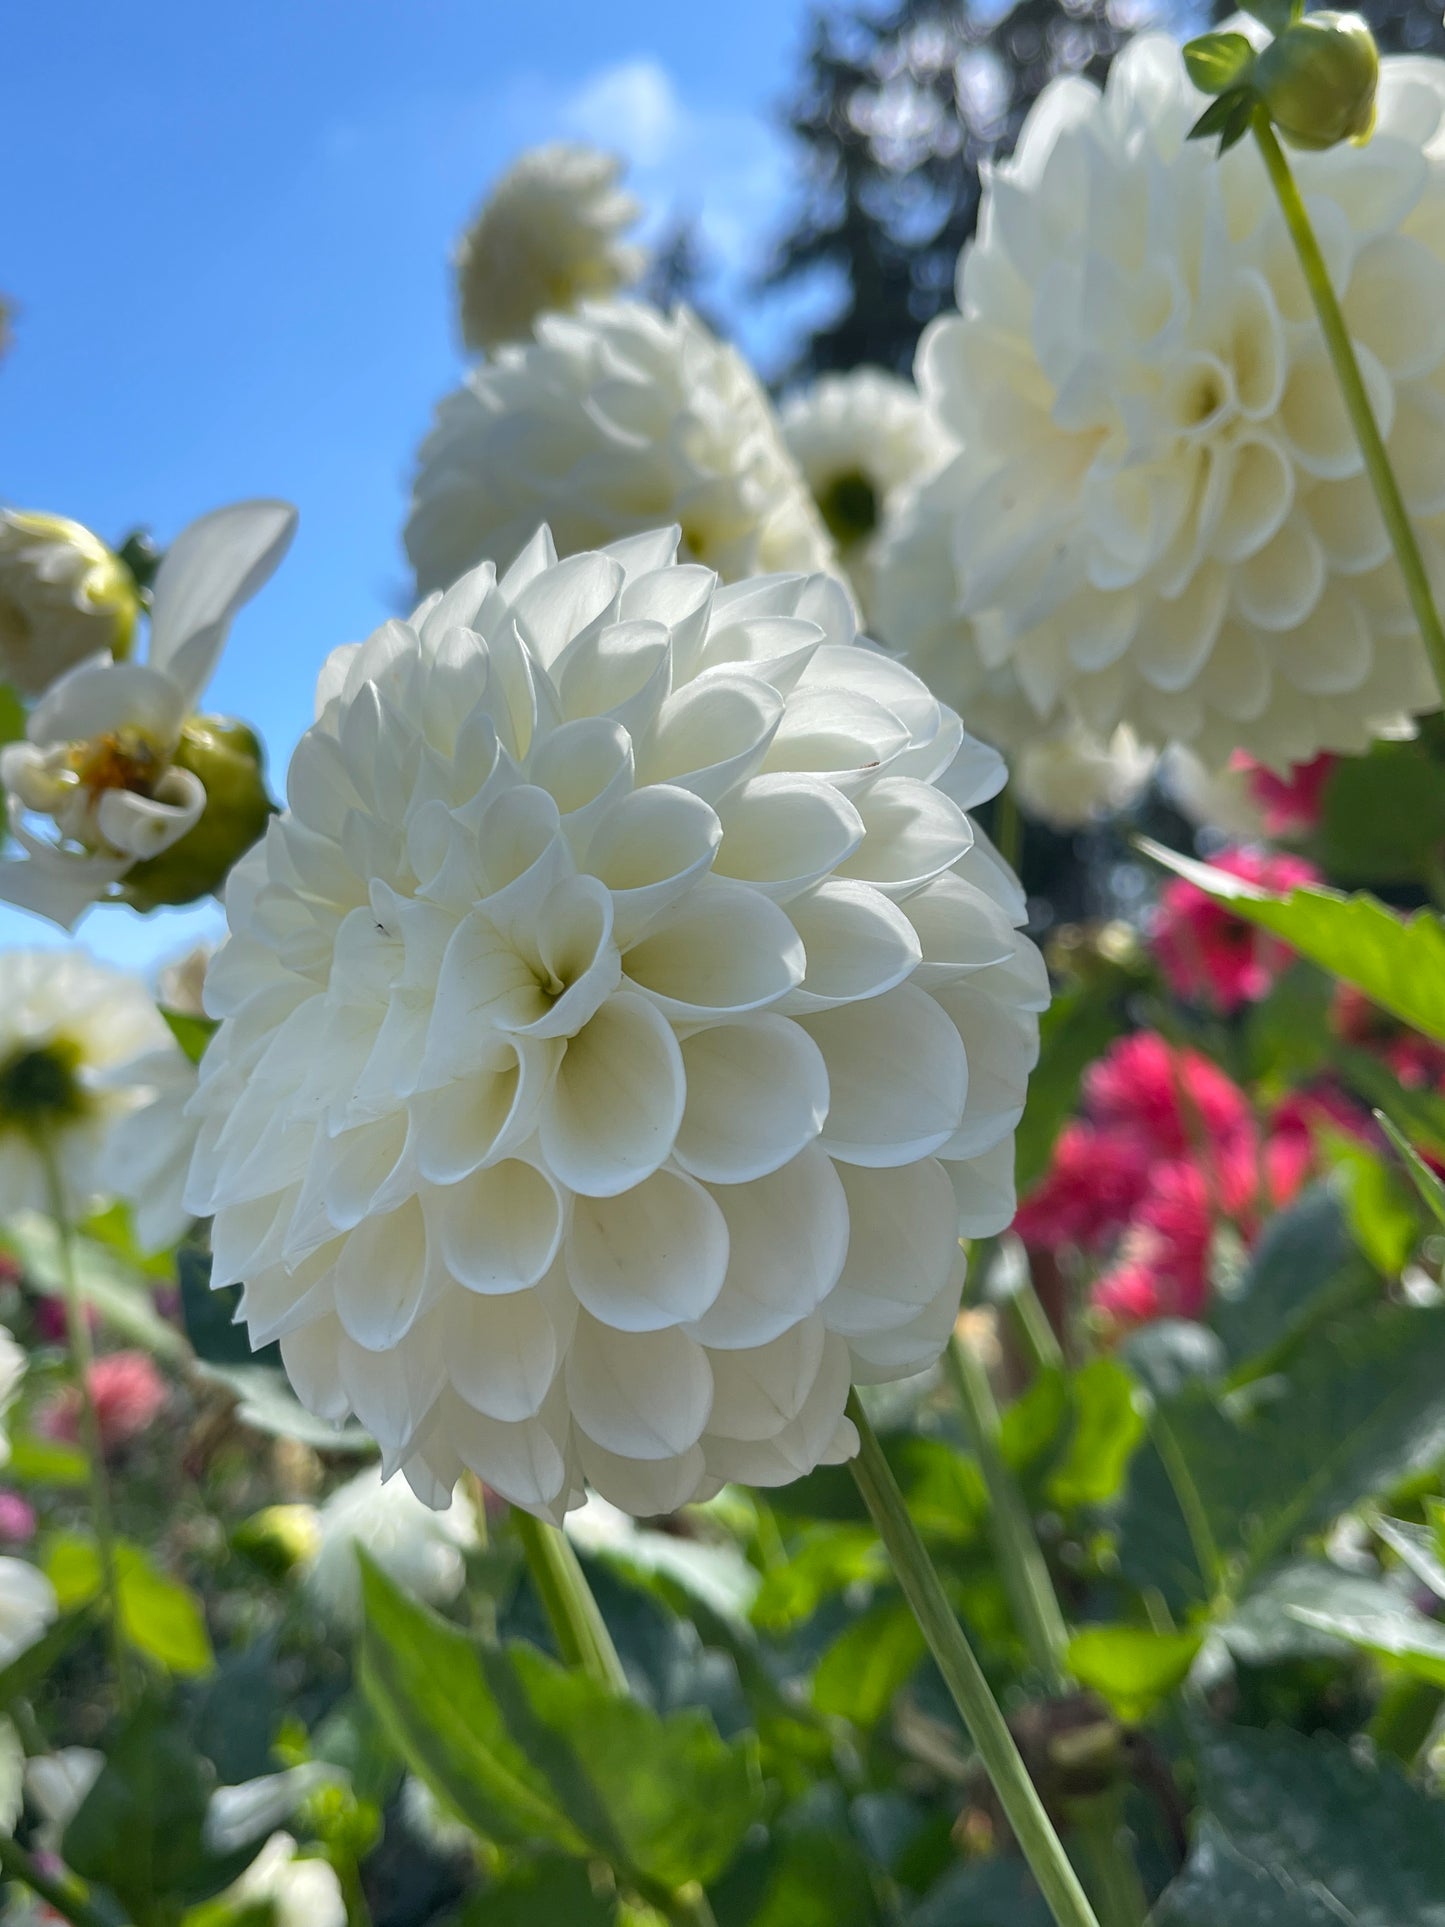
[[614, 420], [64, 596], [861, 439], [1160, 514], [616, 1033], [419, 1547], [105, 778], [1068, 778], [81, 1049], [548, 236]]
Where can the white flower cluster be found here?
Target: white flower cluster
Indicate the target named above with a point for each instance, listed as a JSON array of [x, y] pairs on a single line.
[[614, 420], [617, 1032], [1159, 513], [548, 237]]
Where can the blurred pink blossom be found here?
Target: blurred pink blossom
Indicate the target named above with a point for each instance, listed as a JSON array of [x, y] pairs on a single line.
[[128, 1393], [17, 1519], [1290, 805], [1210, 956]]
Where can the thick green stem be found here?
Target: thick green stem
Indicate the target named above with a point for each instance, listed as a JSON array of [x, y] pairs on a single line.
[[965, 1681], [82, 1356], [577, 1625], [1020, 1557], [62, 1895], [1356, 396]]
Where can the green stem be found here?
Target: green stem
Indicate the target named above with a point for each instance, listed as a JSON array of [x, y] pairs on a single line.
[[67, 1899], [1356, 396], [1196, 1519], [82, 1356], [690, 1907], [1020, 1557], [964, 1679], [1031, 1321], [1114, 1882], [577, 1625], [1008, 827]]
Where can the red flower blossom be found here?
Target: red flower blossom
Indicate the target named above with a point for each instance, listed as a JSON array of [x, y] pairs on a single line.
[[1163, 1268], [1094, 1181], [128, 1393], [1288, 805], [1207, 954]]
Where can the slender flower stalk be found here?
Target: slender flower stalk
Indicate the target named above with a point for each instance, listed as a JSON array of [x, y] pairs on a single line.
[[62, 1896], [965, 1681], [1021, 1560], [1357, 400], [577, 1624], [82, 1360]]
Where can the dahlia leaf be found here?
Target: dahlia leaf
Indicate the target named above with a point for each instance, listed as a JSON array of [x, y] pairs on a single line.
[[1131, 1667], [1382, 1210], [1266, 1627], [540, 1891], [1397, 961], [158, 1615], [1305, 1262], [1108, 1425], [1218, 61], [869, 1664], [1418, 1547], [1221, 1888], [1431, 1190]]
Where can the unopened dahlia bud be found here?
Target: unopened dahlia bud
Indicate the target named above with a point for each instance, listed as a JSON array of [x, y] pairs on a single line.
[[1318, 80], [230, 763], [63, 596]]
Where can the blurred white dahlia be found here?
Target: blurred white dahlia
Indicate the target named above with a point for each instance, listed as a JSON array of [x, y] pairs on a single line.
[[861, 439], [63, 596], [614, 420], [1067, 777], [81, 1047], [616, 1033], [421, 1548], [548, 236], [1160, 514]]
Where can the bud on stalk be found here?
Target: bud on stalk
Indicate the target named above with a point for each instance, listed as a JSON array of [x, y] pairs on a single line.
[[1318, 79]]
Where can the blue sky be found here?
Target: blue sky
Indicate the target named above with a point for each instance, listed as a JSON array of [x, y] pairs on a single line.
[[227, 237]]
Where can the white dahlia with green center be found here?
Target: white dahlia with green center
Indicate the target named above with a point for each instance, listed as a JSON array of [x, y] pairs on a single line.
[[614, 420], [617, 1032], [1160, 515]]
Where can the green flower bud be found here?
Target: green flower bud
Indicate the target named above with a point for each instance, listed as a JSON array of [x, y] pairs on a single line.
[[279, 1537], [228, 758], [1318, 80], [63, 596]]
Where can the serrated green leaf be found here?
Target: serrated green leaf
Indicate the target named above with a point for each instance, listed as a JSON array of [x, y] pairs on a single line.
[[528, 1753], [1321, 1821], [869, 1664], [1305, 1263], [1426, 1181], [1416, 1644], [1218, 61], [1383, 1214], [1399, 962], [1130, 1667], [1265, 1627], [1418, 1546]]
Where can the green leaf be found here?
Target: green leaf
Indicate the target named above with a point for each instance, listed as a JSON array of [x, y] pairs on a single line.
[[1399, 962], [1358, 1836], [192, 1033], [1218, 61], [1361, 1405], [1108, 1425], [1266, 1627], [12, 715], [265, 1402], [823, 1562], [1383, 1214], [20, 1679], [1228, 116], [140, 1830], [1383, 815], [159, 1616], [1418, 1546], [1077, 1027], [528, 1753], [36, 1461], [1304, 1264], [541, 1893], [1035, 1420], [869, 1664], [1131, 1667], [1221, 1888], [802, 1876], [1415, 1643], [1426, 1181], [119, 1292]]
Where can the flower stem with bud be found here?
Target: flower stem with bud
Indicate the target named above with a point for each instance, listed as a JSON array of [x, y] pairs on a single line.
[[1356, 397], [965, 1680]]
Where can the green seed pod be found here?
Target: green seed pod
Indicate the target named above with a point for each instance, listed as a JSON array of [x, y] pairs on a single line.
[[1318, 80], [228, 758]]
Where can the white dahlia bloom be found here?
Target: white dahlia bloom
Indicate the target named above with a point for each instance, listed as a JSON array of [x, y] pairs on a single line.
[[81, 1049], [421, 1548], [28, 1607], [861, 439], [64, 596], [548, 237], [288, 1890], [614, 420], [13, 1361], [1160, 514], [1067, 778], [99, 783], [616, 1033]]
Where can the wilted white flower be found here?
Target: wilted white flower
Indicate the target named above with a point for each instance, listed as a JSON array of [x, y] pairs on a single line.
[[1066, 777], [1160, 515], [110, 773], [28, 1607], [612, 421], [420, 1548], [548, 237], [63, 596], [860, 440], [299, 1892], [615, 1033], [81, 1046]]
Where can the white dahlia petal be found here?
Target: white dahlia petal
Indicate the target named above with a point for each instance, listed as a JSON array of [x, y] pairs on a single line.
[[1157, 507], [592, 1026]]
